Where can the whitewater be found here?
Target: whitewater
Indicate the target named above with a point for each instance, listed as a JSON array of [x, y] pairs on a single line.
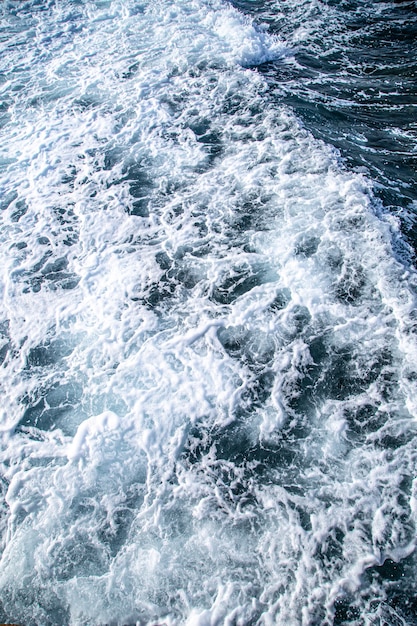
[[208, 334]]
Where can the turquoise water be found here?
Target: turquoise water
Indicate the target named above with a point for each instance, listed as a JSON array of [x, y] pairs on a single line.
[[208, 313]]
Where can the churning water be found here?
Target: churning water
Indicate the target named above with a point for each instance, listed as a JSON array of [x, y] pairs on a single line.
[[208, 313]]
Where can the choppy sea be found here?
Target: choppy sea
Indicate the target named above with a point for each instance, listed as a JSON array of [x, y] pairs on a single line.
[[208, 312]]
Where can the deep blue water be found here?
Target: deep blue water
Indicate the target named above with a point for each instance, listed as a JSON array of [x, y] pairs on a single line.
[[208, 312], [352, 81]]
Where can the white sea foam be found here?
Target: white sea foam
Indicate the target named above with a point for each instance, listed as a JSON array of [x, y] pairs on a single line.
[[207, 333]]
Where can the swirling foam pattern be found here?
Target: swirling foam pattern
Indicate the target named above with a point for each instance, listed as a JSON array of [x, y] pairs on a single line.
[[208, 335]]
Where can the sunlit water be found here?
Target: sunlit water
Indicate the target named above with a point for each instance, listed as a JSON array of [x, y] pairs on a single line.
[[208, 315]]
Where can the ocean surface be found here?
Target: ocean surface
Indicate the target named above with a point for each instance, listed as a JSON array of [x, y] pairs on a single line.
[[208, 320]]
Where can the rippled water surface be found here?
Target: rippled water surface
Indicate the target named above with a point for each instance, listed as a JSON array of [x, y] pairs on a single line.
[[208, 313], [352, 80]]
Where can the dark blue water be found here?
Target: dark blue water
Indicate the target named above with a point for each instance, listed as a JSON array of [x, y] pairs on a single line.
[[208, 313], [352, 81]]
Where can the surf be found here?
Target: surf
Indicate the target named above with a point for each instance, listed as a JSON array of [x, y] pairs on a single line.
[[208, 335]]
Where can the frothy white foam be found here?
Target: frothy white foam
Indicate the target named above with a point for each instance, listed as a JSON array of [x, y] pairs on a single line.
[[208, 337]]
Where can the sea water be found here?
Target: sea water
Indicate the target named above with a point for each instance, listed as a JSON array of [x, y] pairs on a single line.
[[208, 313]]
